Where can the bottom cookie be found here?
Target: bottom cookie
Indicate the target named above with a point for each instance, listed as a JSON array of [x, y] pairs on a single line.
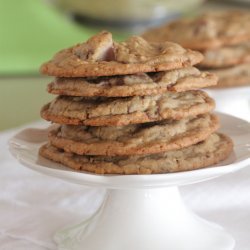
[[234, 76], [209, 152]]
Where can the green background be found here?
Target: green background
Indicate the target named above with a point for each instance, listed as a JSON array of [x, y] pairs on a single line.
[[31, 31], [21, 100]]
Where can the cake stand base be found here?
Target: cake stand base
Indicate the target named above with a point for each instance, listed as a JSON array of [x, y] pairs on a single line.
[[144, 219]]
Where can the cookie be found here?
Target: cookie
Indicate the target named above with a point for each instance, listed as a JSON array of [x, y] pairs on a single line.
[[207, 31], [149, 138], [226, 56], [104, 111], [140, 84], [101, 56], [233, 76], [209, 152]]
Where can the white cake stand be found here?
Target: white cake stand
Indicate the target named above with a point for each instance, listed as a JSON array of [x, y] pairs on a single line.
[[140, 212]]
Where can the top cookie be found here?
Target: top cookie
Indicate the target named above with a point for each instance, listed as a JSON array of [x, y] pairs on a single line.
[[210, 30], [101, 56]]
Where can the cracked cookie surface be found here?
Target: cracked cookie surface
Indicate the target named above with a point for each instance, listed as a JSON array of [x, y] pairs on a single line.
[[101, 56], [134, 139], [140, 84], [214, 149], [103, 111]]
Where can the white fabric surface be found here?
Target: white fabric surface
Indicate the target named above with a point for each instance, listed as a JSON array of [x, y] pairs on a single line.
[[33, 206]]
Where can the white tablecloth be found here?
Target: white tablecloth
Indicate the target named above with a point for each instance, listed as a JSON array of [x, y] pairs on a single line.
[[33, 206]]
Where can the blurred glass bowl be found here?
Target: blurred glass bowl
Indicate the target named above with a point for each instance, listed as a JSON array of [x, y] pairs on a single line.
[[126, 13]]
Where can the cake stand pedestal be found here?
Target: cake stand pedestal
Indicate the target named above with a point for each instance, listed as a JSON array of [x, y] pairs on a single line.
[[140, 212], [153, 219]]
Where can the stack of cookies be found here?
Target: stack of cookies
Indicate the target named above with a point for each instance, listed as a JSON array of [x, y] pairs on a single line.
[[131, 108], [222, 37]]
